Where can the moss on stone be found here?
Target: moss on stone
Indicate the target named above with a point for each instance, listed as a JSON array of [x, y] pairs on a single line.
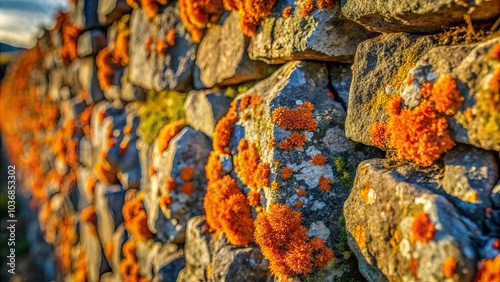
[[159, 109], [488, 111], [345, 170]]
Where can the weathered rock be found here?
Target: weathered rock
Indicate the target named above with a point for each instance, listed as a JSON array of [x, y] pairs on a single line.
[[204, 108], [495, 195], [87, 77], [108, 203], [171, 69], [92, 249], [222, 57], [188, 150], [90, 42], [409, 16], [322, 35], [237, 264], [122, 90], [380, 217], [379, 69], [109, 11], [159, 262]]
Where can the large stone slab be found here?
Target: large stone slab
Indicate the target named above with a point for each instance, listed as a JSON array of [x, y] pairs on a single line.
[[222, 56], [410, 16], [169, 70], [324, 35], [400, 230]]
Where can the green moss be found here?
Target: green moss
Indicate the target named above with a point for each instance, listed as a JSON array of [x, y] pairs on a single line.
[[232, 92], [345, 170], [159, 109], [488, 113]]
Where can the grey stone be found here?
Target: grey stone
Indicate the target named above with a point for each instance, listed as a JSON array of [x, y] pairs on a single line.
[[189, 148], [90, 42], [222, 57], [87, 77], [159, 262], [341, 77], [380, 65], [323, 35], [109, 11], [495, 195], [204, 108], [410, 16], [151, 71], [108, 203], [379, 216]]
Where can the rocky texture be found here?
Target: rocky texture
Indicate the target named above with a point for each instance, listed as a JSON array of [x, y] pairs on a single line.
[[187, 151], [171, 69], [204, 108], [88, 79], [90, 42], [377, 76], [340, 78], [409, 16], [322, 35], [381, 217], [222, 57], [109, 11]]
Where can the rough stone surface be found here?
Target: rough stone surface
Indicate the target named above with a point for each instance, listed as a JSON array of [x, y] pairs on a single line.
[[172, 70], [379, 216], [322, 35], [109, 11], [188, 149], [222, 57], [410, 16], [90, 42], [341, 77], [88, 79], [204, 108], [379, 69]]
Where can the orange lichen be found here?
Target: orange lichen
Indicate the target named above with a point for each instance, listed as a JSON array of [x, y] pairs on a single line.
[[244, 102], [495, 52], [90, 185], [152, 170], [166, 134], [187, 188], [286, 12], [165, 201], [170, 184], [286, 172], [298, 203], [325, 4], [318, 160], [393, 107], [274, 185], [360, 236], [187, 173], [494, 82], [252, 173], [301, 192], [224, 130], [294, 140], [306, 8], [294, 119], [272, 143], [136, 219], [70, 34], [133, 3], [109, 248], [284, 242], [161, 47], [445, 95], [151, 7], [324, 183], [227, 210], [365, 191], [170, 37], [253, 198], [425, 91], [88, 215], [105, 172], [378, 134], [488, 270], [413, 265], [149, 43], [197, 14], [129, 250], [105, 68], [422, 228], [449, 267], [111, 142], [276, 163], [252, 12], [120, 49], [255, 100], [213, 167]]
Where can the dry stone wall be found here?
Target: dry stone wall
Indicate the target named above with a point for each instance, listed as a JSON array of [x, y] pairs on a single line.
[[245, 140]]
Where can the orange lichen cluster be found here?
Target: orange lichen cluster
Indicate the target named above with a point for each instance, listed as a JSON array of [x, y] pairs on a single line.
[[187, 188], [149, 43], [413, 265], [301, 192], [422, 228], [70, 33], [420, 134], [275, 185], [105, 172], [318, 160], [286, 12], [449, 267], [227, 210], [151, 7], [360, 236], [294, 140], [284, 242], [198, 14], [224, 130], [298, 203], [365, 191], [489, 270], [253, 198], [286, 172], [251, 12], [324, 183], [494, 82], [295, 119], [165, 201], [105, 68], [129, 267], [170, 184], [252, 173], [121, 50], [306, 8], [495, 52], [135, 218], [109, 248], [168, 132], [170, 37], [187, 173], [325, 4], [88, 215]]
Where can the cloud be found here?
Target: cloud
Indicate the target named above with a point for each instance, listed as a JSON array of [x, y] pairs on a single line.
[[22, 20]]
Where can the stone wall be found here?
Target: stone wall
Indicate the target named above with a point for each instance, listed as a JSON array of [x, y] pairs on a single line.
[[261, 140]]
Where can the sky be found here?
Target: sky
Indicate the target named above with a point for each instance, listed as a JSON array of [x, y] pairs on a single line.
[[22, 20]]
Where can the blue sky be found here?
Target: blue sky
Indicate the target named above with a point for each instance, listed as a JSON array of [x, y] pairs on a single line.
[[21, 20]]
